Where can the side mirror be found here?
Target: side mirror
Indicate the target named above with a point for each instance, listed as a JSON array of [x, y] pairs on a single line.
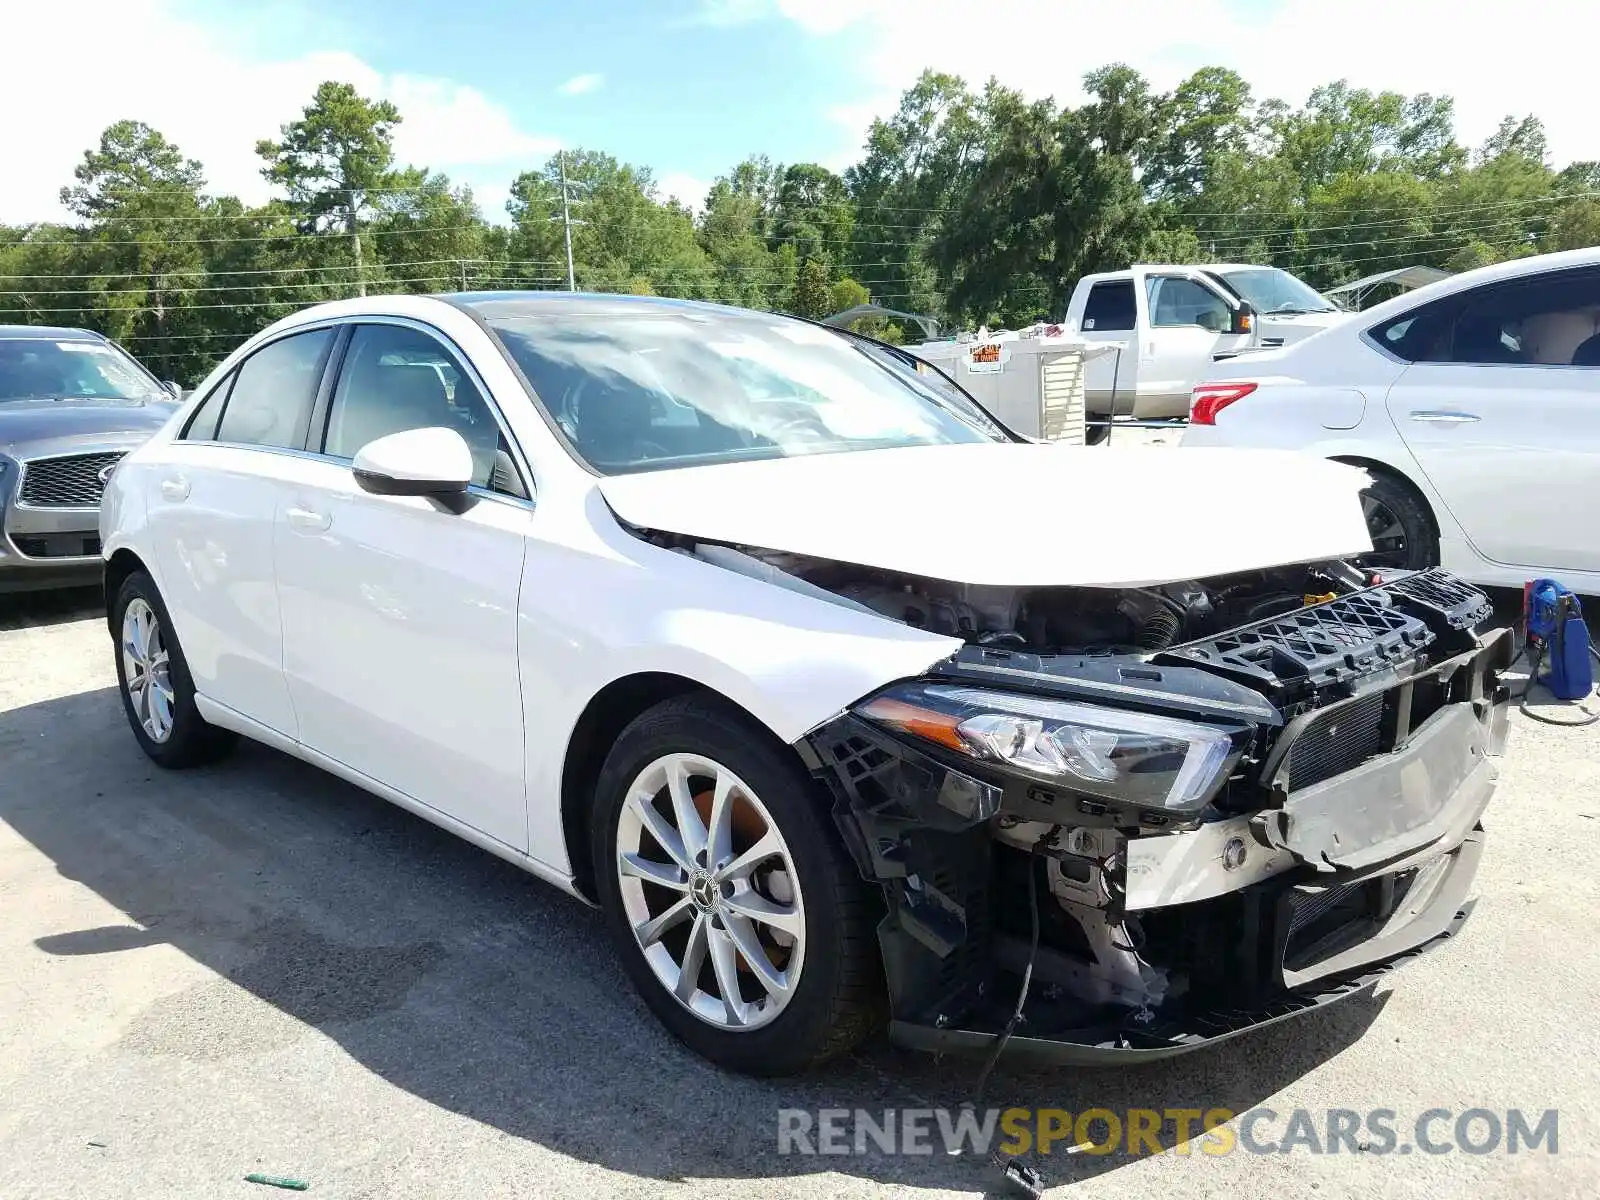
[[174, 388], [1244, 318], [415, 462]]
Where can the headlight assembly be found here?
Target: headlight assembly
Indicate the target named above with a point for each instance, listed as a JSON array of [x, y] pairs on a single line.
[[1131, 757]]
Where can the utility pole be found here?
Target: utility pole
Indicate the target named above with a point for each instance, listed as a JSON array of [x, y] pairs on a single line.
[[566, 216], [355, 236]]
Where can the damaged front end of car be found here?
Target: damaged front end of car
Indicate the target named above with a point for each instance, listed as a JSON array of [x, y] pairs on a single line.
[[1188, 826]]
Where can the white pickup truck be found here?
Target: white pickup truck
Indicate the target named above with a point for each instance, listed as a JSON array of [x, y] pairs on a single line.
[[1173, 322]]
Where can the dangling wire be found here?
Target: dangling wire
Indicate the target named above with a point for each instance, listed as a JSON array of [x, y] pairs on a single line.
[[1589, 716]]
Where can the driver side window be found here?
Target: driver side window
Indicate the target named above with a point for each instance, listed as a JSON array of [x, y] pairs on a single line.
[[395, 378], [1177, 301]]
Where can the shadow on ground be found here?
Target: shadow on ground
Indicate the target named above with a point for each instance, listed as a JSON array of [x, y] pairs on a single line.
[[458, 978], [21, 610]]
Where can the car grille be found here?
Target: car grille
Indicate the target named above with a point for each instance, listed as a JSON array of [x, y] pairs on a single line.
[[1337, 741], [71, 481]]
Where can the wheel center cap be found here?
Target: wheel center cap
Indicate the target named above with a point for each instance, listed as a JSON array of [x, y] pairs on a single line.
[[703, 891]]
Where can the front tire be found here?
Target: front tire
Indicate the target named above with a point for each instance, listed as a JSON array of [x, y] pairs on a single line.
[[157, 689], [1401, 527], [735, 909]]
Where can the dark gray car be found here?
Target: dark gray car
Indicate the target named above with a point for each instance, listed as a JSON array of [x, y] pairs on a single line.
[[72, 404]]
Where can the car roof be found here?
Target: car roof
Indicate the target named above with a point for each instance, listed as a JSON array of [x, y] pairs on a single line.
[[49, 333], [589, 304]]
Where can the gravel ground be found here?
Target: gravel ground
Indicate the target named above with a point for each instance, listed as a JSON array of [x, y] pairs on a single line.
[[255, 967]]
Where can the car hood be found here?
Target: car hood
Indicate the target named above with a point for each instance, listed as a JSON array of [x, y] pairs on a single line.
[[1018, 515], [1296, 327], [25, 423]]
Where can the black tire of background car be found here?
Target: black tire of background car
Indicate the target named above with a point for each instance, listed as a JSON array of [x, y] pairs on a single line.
[[193, 742], [1416, 522], [840, 998]]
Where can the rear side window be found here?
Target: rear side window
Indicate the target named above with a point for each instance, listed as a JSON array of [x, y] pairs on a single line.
[[1550, 320], [1110, 306], [202, 425], [273, 391]]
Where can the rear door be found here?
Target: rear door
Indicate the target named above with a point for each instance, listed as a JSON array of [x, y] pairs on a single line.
[[211, 510], [1111, 314], [400, 613], [1501, 408]]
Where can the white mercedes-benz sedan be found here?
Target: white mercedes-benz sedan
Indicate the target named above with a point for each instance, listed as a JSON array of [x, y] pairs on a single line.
[[851, 709]]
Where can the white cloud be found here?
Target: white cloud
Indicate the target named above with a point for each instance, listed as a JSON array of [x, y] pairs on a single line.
[[215, 101], [688, 190], [731, 12], [1447, 47], [580, 85]]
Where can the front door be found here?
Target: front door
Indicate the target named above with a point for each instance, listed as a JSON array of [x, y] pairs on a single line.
[[399, 614], [1189, 324]]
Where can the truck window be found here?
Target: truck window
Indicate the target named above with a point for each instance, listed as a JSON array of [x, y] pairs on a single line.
[[1178, 301], [1110, 306]]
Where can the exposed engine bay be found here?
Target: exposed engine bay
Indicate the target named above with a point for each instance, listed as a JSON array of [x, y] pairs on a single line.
[[1059, 620]]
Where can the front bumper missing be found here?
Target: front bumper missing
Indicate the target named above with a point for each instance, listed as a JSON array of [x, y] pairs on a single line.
[[1349, 877], [1125, 1046]]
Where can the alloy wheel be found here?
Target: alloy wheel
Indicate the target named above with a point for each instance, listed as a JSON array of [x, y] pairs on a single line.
[[146, 670], [710, 891]]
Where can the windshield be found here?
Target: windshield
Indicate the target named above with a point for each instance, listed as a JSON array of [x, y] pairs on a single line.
[[639, 392], [1273, 291], [37, 369]]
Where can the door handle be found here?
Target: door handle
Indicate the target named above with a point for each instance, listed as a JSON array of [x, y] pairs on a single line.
[[304, 518], [1434, 416], [175, 488]]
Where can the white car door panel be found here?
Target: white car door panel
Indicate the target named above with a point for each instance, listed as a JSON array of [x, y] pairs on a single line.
[[400, 638], [400, 612], [211, 509], [210, 515], [1515, 453]]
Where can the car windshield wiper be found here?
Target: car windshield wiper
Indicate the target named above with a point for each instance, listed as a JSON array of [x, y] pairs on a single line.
[[1295, 310]]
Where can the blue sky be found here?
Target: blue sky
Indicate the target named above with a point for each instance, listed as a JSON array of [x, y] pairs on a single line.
[[689, 87], [674, 87]]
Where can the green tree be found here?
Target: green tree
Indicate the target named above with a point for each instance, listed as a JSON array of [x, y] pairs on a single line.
[[140, 255], [627, 235], [1047, 204], [917, 165], [429, 235], [733, 231], [813, 295], [336, 163]]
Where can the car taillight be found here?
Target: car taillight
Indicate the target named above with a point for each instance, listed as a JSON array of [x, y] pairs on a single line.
[[1208, 399]]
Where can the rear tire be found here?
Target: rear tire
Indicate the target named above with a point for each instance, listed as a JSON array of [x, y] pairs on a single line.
[[816, 990], [157, 689], [1401, 525]]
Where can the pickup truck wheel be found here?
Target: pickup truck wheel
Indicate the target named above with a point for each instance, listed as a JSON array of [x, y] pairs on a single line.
[[1400, 524], [157, 690], [737, 913]]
